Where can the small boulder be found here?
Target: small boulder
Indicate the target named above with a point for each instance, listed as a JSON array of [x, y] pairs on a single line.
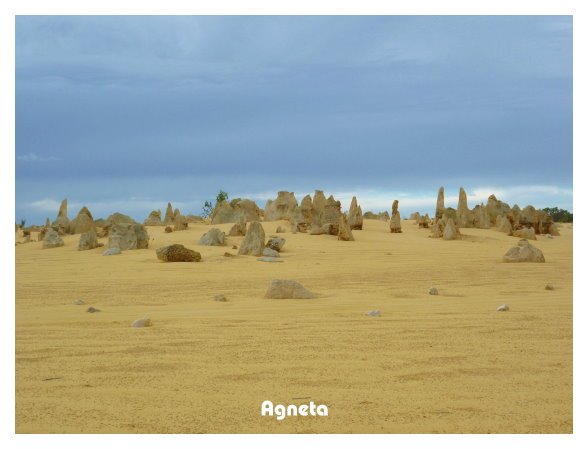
[[214, 237], [239, 228], [503, 308], [374, 313], [433, 291], [142, 322], [268, 252], [288, 289], [79, 302], [549, 287], [92, 310], [88, 240], [524, 252], [168, 229], [220, 298], [177, 253], [280, 230], [275, 243], [525, 233]]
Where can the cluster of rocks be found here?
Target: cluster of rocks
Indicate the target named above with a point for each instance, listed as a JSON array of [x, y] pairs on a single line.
[[173, 217], [522, 223]]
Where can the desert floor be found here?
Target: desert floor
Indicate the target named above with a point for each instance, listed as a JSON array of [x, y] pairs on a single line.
[[449, 363]]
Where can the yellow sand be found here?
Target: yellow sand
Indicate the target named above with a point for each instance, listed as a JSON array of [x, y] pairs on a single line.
[[446, 363]]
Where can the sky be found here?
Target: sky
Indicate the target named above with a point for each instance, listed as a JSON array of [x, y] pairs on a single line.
[[126, 113]]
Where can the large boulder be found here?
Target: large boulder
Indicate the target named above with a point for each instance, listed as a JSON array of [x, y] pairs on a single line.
[[177, 253], [355, 215], [128, 236], [395, 222], [88, 240], [154, 219], [284, 207], [239, 228], [83, 222], [254, 241], [214, 237], [287, 289], [61, 223], [524, 252], [275, 243], [52, 239], [344, 231], [232, 212]]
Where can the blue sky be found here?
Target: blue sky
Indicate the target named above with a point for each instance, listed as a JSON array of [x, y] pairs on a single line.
[[127, 113]]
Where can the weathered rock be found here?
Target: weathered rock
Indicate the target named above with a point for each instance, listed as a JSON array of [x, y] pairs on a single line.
[[395, 222], [416, 216], [239, 228], [375, 313], [382, 216], [450, 232], [464, 216], [344, 233], [92, 310], [168, 229], [254, 241], [180, 222], [194, 218], [318, 207], [228, 254], [440, 203], [83, 222], [284, 207], [220, 298], [355, 215], [142, 322], [214, 237], [128, 236], [280, 230], [433, 291], [495, 208], [306, 210], [552, 230], [481, 219], [118, 218], [169, 215], [549, 287], [317, 230], [177, 253], [79, 302], [332, 212], [276, 243], [225, 212], [503, 225], [524, 252], [424, 221], [61, 223], [329, 229], [154, 219], [52, 239], [268, 252], [112, 252], [503, 308], [88, 240], [288, 289], [525, 233]]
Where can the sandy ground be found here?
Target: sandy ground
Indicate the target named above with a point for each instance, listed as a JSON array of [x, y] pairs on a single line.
[[448, 363]]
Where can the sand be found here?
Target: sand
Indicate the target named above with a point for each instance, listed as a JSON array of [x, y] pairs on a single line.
[[448, 363]]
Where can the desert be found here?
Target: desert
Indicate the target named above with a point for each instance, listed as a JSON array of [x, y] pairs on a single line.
[[401, 332]]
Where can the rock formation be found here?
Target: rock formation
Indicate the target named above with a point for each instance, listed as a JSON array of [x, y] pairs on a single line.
[[52, 239], [525, 233], [128, 236], [287, 289], [524, 252], [355, 215], [395, 224], [344, 231], [61, 223], [214, 237], [284, 207], [318, 207], [180, 222], [481, 219], [177, 253], [503, 225], [464, 216], [232, 212], [154, 219], [239, 228], [169, 215], [254, 241], [83, 222], [382, 216], [306, 210], [450, 232], [440, 203], [268, 252], [88, 240]]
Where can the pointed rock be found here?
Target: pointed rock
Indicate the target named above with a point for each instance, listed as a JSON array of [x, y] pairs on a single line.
[[450, 232], [254, 241], [154, 219], [395, 222], [440, 202], [83, 222], [344, 231], [355, 215], [524, 252], [169, 215]]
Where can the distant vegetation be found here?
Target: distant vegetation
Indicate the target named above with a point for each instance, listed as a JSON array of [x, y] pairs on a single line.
[[208, 207], [22, 223], [560, 215]]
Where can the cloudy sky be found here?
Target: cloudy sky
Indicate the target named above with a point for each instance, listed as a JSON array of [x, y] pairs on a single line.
[[127, 113]]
